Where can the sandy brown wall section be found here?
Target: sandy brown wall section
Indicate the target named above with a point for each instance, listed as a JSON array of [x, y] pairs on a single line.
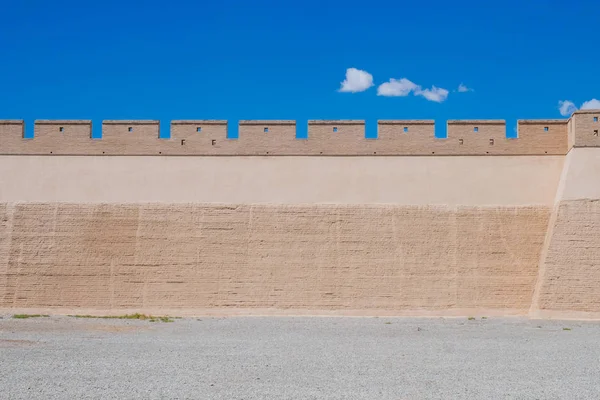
[[312, 257], [341, 137], [587, 130], [572, 265]]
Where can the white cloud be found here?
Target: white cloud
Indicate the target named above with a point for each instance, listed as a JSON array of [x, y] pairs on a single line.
[[356, 81], [592, 104], [566, 108], [462, 88], [397, 88], [434, 94], [403, 87]]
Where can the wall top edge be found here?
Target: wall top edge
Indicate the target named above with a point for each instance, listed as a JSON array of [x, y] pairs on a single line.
[[595, 111], [542, 121], [406, 122], [62, 121], [336, 122], [199, 122], [267, 122], [130, 122], [12, 122], [476, 121]]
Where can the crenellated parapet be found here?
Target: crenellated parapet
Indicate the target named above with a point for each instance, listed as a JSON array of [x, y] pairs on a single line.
[[325, 137]]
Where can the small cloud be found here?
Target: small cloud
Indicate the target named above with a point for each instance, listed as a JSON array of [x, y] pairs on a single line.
[[403, 87], [434, 94], [592, 104], [356, 81], [566, 108], [397, 88], [462, 88]]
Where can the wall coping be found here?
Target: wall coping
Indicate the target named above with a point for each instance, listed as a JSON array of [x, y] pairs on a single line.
[[62, 122], [199, 122], [476, 121], [543, 121], [594, 111], [12, 122], [406, 122], [130, 122], [336, 122], [266, 122]]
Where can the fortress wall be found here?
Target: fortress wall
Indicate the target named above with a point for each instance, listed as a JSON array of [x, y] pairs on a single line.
[[267, 137], [12, 135], [588, 130], [413, 137], [570, 266], [469, 181], [542, 136], [336, 137], [186, 140], [361, 259], [131, 137], [73, 136]]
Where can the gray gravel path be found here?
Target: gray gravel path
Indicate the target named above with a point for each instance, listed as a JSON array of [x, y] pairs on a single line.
[[299, 358]]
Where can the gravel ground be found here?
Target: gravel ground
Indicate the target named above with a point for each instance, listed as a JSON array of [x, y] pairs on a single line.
[[299, 358]]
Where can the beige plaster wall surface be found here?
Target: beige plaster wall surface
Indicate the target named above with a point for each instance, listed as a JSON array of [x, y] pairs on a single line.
[[298, 257], [582, 180], [510, 180]]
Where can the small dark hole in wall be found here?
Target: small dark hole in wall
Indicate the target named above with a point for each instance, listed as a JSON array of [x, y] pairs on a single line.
[[130, 129], [433, 152], [103, 152], [182, 142], [50, 152], [320, 152], [487, 152], [460, 141], [267, 152], [374, 152], [596, 132], [213, 142], [160, 152], [61, 129], [545, 152]]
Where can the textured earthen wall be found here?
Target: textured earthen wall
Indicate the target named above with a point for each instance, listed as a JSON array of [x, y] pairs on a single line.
[[311, 257], [570, 264]]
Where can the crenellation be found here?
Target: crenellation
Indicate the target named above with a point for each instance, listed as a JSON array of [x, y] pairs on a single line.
[[135, 137], [265, 137], [325, 137], [586, 125]]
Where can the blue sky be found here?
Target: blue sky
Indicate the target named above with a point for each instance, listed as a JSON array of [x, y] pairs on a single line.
[[261, 59]]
